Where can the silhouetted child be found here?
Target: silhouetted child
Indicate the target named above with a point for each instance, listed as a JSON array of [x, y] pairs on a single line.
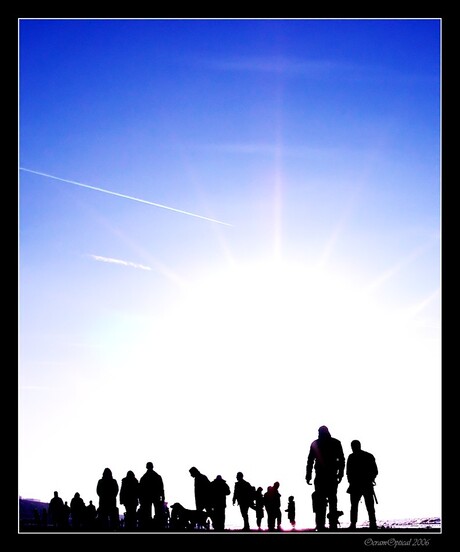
[[259, 501], [291, 510]]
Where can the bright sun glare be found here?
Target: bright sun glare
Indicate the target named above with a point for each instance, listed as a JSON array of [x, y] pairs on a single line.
[[264, 320]]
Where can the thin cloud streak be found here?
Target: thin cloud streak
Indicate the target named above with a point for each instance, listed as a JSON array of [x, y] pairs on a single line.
[[313, 69], [273, 65], [124, 196], [272, 149], [111, 260]]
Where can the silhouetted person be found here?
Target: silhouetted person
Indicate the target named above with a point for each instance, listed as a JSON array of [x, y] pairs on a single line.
[[260, 506], [66, 514], [291, 511], [361, 473], [107, 490], [244, 494], [219, 492], [129, 497], [91, 514], [151, 492], [271, 506], [202, 488], [327, 458], [56, 511], [277, 504], [77, 511]]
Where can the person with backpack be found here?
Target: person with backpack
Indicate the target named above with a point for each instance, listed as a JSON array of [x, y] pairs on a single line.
[[327, 459]]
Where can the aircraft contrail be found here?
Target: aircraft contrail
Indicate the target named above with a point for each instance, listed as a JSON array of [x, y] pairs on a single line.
[[124, 196]]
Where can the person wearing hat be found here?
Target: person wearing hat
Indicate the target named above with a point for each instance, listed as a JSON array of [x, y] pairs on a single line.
[[327, 459]]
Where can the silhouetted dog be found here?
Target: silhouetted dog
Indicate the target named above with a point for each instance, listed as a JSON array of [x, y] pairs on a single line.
[[183, 519], [337, 515]]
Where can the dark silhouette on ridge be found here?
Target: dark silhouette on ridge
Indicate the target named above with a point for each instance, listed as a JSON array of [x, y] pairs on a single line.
[[129, 497], [327, 458], [361, 473]]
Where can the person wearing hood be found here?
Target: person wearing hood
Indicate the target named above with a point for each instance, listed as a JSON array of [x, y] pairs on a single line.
[[327, 459], [219, 492], [129, 497]]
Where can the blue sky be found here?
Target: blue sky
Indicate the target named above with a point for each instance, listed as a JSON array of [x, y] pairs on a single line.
[[317, 144]]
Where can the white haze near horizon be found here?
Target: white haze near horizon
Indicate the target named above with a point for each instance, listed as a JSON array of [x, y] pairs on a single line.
[[309, 340]]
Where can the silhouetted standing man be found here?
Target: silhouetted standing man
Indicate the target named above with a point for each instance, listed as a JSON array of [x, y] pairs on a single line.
[[244, 494], [91, 515], [219, 492], [107, 491], [327, 458], [129, 497], [151, 491], [203, 497], [77, 511], [65, 515], [270, 506], [361, 473], [56, 511]]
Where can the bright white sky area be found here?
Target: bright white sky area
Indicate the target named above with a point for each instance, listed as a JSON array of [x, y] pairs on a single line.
[[229, 235]]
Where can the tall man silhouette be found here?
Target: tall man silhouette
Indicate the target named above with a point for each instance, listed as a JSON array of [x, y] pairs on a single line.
[[202, 489], [244, 494], [151, 491], [327, 458], [361, 473]]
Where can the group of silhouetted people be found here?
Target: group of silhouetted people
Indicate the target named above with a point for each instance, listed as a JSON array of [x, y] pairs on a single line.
[[146, 507], [211, 497], [137, 496], [327, 459]]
